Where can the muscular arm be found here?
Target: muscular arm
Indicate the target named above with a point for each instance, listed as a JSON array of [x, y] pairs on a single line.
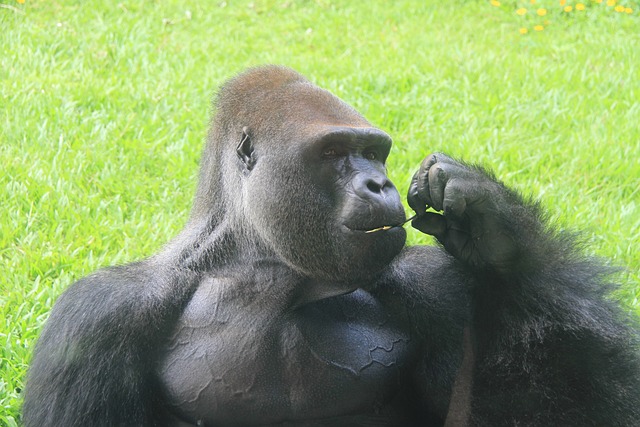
[[92, 364], [551, 347]]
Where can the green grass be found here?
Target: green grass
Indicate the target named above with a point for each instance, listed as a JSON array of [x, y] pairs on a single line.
[[104, 107]]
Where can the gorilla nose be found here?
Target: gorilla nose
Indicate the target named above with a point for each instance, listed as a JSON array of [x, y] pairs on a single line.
[[372, 186], [376, 186]]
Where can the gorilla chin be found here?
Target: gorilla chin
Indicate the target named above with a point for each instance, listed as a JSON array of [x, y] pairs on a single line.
[[357, 260], [369, 253]]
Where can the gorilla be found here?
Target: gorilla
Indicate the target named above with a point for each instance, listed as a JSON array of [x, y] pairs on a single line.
[[290, 299]]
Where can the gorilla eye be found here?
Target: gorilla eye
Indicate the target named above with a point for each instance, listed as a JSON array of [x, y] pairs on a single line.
[[370, 155], [330, 152]]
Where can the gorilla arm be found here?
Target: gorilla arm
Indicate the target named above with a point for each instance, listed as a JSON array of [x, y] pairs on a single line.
[[550, 347], [93, 362]]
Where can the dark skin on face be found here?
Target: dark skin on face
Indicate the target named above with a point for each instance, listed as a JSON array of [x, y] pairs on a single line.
[[336, 166], [290, 299]]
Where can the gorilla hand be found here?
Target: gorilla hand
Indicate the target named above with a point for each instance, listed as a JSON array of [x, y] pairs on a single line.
[[478, 224]]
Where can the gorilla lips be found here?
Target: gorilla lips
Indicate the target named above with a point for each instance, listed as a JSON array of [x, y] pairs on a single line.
[[387, 227]]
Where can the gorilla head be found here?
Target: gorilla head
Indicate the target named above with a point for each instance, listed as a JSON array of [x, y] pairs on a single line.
[[302, 175]]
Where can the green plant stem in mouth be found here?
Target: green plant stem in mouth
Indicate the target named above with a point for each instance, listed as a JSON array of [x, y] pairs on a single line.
[[387, 227]]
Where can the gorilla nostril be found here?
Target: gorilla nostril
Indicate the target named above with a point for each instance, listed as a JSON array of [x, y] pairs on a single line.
[[373, 186]]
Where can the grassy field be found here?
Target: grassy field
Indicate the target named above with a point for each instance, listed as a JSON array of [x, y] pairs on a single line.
[[104, 107]]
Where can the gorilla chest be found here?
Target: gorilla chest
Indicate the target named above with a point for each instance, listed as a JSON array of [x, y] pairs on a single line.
[[338, 356]]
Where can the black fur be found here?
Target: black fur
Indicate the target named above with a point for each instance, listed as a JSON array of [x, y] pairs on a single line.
[[506, 323]]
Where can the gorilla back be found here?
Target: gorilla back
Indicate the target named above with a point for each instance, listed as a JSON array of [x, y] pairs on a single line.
[[277, 305]]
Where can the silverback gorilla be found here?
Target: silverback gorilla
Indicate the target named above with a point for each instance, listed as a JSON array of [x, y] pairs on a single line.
[[278, 306]]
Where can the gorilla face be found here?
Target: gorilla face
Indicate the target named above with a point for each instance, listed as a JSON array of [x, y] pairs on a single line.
[[304, 173], [314, 199]]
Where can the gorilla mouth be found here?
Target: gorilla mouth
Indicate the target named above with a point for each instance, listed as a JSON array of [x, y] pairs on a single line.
[[388, 227]]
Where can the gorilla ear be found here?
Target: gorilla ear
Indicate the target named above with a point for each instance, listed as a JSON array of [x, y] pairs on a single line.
[[245, 150]]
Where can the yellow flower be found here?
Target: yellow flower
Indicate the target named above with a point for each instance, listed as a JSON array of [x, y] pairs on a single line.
[[523, 31], [20, 1], [619, 8], [611, 2], [541, 12], [628, 10], [598, 1], [538, 28], [522, 11], [568, 8], [495, 3], [533, 1], [563, 2], [579, 6]]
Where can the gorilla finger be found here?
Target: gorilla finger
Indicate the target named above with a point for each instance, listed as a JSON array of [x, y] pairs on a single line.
[[431, 223], [416, 202], [426, 164], [422, 182], [437, 180], [443, 158], [454, 202]]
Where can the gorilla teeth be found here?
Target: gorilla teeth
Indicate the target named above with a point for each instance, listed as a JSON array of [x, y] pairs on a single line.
[[387, 227]]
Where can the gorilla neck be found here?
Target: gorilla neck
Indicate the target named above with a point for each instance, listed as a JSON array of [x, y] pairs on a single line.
[[218, 249]]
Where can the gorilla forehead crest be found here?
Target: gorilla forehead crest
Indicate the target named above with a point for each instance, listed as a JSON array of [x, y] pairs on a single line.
[[278, 101]]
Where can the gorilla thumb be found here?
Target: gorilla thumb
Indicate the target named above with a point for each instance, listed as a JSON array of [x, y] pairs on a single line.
[[431, 223]]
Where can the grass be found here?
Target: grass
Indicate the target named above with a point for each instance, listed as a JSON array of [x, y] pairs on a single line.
[[104, 107]]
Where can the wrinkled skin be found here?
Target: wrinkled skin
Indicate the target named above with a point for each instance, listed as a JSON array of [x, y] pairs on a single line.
[[275, 306]]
